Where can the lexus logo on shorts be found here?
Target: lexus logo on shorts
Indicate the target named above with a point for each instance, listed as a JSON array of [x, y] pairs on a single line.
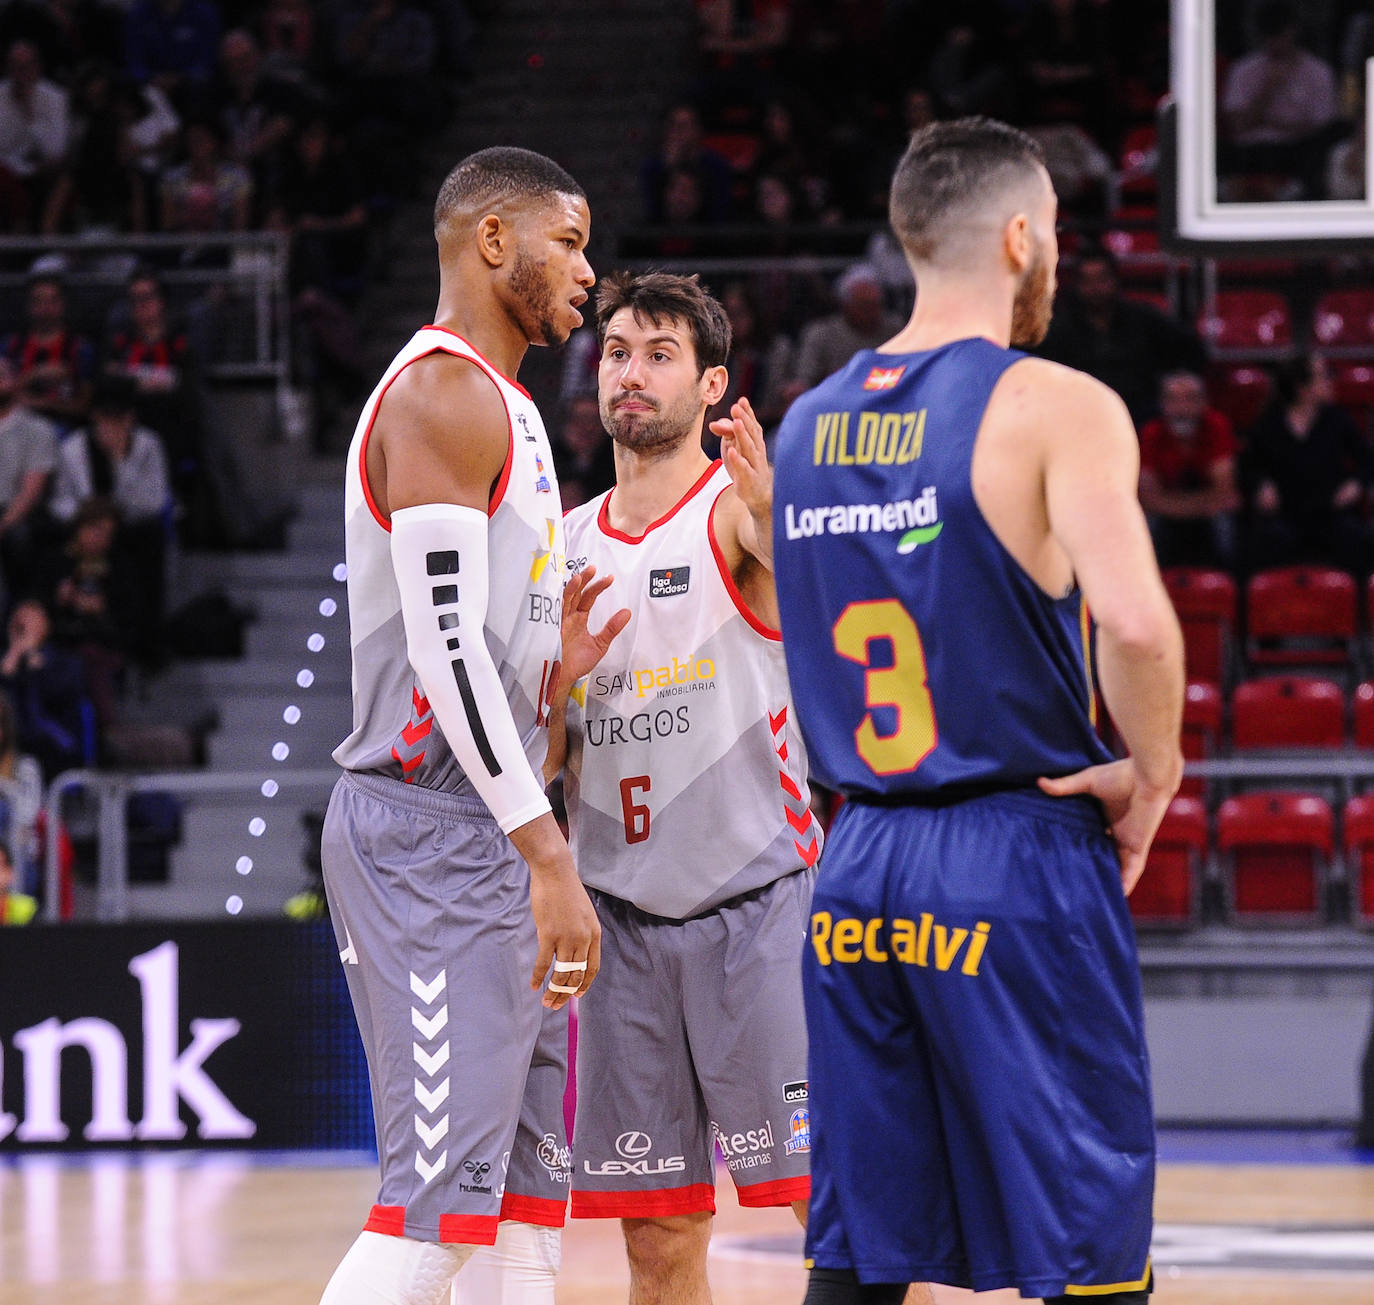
[[479, 1169], [634, 1145]]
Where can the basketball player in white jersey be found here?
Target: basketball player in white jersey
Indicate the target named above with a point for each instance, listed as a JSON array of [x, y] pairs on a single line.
[[689, 808], [460, 919]]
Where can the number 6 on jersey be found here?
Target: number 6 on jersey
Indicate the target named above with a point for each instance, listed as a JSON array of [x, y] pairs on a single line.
[[636, 813]]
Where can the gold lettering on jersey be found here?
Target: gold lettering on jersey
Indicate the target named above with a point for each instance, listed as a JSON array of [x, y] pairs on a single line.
[[849, 940], [883, 438]]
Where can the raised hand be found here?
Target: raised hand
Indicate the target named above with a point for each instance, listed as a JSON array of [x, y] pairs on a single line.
[[746, 459]]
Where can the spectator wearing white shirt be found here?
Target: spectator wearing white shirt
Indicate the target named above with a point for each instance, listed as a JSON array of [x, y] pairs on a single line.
[[34, 134], [28, 453], [113, 457]]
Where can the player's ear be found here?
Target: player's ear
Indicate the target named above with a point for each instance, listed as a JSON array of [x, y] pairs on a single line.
[[713, 383], [493, 239], [1017, 242]]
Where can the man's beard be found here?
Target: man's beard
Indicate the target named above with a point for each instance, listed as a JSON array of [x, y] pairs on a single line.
[[1034, 303], [528, 283], [659, 432]]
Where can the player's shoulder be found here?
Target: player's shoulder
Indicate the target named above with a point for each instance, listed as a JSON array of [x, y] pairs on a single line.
[[425, 395], [1036, 391]]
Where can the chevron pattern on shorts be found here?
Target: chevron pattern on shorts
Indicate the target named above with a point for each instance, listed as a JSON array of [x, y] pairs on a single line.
[[429, 1020]]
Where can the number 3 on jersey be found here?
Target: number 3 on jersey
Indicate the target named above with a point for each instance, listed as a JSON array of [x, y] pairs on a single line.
[[636, 813], [903, 686]]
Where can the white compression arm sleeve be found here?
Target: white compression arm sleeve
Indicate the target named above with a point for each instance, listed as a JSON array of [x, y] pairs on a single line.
[[439, 555]]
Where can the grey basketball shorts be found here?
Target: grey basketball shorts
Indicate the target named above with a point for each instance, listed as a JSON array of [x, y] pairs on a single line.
[[430, 904], [694, 1036]]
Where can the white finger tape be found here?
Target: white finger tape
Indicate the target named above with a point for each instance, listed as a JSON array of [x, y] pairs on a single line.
[[564, 987], [566, 967]]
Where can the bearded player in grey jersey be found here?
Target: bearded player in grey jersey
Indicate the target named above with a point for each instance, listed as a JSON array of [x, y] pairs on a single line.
[[453, 894]]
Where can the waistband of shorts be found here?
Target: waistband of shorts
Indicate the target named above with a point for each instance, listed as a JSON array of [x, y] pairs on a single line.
[[422, 801], [1079, 811], [648, 917]]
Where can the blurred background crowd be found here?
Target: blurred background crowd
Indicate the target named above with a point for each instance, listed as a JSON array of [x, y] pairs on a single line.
[[202, 123]]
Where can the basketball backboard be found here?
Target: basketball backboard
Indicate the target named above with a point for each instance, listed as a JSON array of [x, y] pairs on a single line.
[[1210, 203]]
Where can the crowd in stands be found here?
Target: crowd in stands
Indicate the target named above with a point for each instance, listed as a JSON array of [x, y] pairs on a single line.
[[167, 117]]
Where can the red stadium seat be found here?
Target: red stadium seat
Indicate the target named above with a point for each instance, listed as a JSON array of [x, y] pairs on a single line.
[[1364, 714], [1242, 393], [1138, 163], [1205, 601], [1169, 891], [1354, 386], [1275, 848], [1300, 616], [1291, 711], [1344, 319], [1201, 730], [1255, 322], [1358, 819]]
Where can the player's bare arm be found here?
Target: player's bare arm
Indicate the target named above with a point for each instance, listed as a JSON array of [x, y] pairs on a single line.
[[1090, 473], [418, 458], [583, 650]]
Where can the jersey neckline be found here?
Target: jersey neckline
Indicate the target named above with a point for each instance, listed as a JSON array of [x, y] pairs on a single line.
[[486, 362], [603, 516]]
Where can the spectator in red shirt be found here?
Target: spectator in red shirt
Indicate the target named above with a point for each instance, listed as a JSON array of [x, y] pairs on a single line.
[[56, 365], [1188, 476]]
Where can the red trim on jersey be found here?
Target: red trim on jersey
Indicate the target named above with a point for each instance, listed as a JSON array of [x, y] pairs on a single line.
[[388, 1219], [542, 1210], [603, 517], [781, 1191], [498, 492], [471, 1229], [510, 380], [503, 479], [728, 580], [644, 1205]]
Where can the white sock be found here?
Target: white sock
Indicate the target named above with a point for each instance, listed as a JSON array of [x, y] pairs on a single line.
[[519, 1270], [383, 1270]]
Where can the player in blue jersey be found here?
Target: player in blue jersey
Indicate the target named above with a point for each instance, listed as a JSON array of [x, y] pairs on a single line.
[[946, 513]]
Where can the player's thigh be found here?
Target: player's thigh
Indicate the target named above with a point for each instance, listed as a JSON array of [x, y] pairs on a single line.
[[641, 1141], [746, 1024]]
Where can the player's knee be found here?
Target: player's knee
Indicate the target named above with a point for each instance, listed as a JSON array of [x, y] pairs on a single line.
[[670, 1244], [401, 1269]]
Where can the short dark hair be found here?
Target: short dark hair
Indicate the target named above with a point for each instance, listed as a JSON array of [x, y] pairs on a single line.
[[499, 175], [116, 395], [946, 167], [1292, 375], [661, 297]]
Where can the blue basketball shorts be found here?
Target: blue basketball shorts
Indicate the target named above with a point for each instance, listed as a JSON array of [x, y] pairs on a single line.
[[980, 1091]]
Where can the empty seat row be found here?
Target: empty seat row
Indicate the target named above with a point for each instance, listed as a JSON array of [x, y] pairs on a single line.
[[1295, 616], [1260, 323], [1271, 859], [1284, 711]]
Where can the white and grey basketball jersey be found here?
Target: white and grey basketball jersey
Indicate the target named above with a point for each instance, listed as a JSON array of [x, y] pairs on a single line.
[[394, 730], [686, 779]]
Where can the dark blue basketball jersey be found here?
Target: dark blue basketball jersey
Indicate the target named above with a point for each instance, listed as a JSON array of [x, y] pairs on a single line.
[[922, 656]]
